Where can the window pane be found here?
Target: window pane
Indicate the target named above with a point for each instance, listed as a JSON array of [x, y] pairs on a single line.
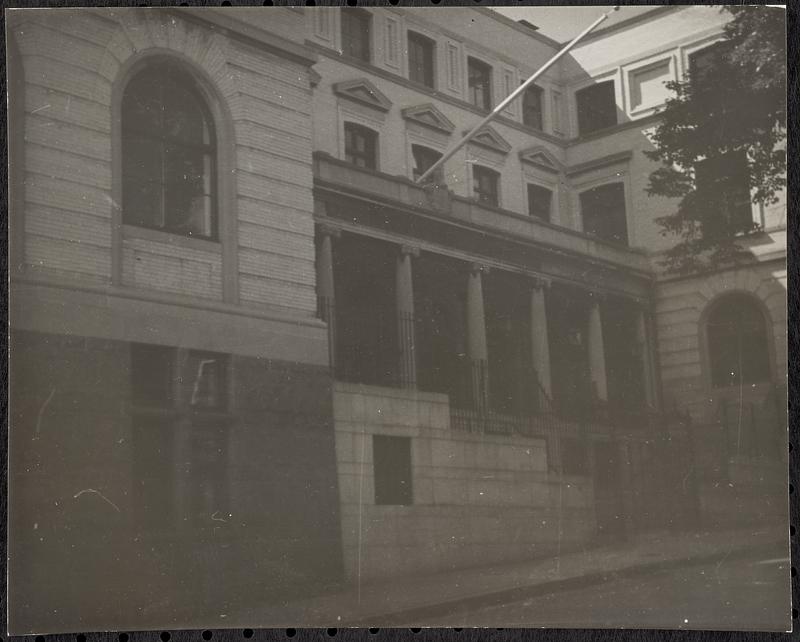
[[486, 185], [723, 184], [424, 158], [421, 59], [480, 83], [737, 342], [184, 119], [184, 194], [539, 199], [356, 33], [603, 212], [168, 160], [597, 107], [532, 107], [360, 146], [143, 203]]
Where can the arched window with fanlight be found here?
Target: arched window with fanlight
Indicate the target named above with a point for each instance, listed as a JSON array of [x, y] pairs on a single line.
[[168, 153], [736, 333]]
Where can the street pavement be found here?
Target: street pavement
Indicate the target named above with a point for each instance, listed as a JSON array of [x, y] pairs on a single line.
[[747, 593]]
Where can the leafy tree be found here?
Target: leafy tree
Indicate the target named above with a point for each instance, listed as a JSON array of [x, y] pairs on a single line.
[[720, 136]]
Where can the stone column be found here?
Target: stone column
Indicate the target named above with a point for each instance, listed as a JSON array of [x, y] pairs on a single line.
[[597, 355], [404, 290], [539, 339], [326, 304], [643, 340], [476, 338]]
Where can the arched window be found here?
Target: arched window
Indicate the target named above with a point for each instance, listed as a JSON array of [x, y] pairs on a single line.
[[737, 342], [168, 153]]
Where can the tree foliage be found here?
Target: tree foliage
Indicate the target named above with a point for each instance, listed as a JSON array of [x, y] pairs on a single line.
[[722, 137]]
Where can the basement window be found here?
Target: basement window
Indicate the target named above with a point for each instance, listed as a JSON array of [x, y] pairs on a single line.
[[391, 458]]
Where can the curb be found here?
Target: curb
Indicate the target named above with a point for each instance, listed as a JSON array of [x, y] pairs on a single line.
[[412, 616]]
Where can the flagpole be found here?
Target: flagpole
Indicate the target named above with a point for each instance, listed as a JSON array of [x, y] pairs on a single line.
[[503, 104]]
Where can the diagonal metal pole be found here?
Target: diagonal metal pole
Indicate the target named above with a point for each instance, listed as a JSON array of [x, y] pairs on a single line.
[[514, 94]]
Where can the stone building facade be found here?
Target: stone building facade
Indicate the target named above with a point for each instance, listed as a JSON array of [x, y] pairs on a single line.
[[244, 336]]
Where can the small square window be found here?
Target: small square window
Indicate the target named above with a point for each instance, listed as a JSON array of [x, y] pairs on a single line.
[[486, 185], [391, 458], [539, 200]]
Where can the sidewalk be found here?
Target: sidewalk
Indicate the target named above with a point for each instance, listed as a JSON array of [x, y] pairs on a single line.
[[408, 601]]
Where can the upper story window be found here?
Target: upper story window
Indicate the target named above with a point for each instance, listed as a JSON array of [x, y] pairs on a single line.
[[168, 153], [704, 59], [532, 101], [360, 146], [421, 59], [356, 33], [486, 185], [479, 79], [539, 200], [424, 158], [597, 107], [737, 342], [723, 185], [603, 212]]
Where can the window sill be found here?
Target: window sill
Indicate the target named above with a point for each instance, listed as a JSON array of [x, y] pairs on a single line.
[[170, 238]]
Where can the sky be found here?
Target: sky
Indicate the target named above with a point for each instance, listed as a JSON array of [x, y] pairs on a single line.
[[562, 23]]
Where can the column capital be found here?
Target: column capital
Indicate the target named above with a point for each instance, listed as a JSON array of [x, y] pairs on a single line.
[[477, 268], [409, 250], [326, 229]]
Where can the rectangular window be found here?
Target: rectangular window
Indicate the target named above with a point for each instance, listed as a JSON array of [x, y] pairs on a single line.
[[539, 200], [597, 107], [421, 59], [723, 185], [486, 185], [356, 33], [360, 146], [391, 458], [603, 213], [479, 84], [424, 158], [532, 107]]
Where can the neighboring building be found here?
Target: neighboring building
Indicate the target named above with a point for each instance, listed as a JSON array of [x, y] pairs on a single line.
[[243, 334]]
